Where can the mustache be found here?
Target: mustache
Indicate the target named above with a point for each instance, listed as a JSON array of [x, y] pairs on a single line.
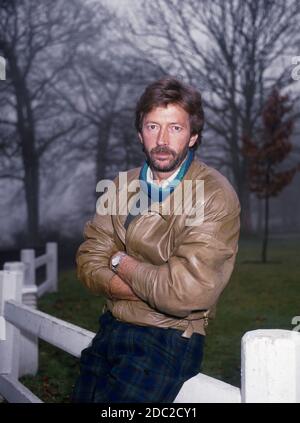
[[162, 149]]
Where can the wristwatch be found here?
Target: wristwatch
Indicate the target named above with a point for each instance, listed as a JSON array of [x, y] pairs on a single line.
[[116, 260]]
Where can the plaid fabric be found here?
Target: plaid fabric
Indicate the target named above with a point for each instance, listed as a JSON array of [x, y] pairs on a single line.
[[131, 363]]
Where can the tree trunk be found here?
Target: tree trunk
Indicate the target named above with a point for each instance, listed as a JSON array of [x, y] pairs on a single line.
[[100, 161], [30, 158], [244, 196], [240, 175], [101, 153], [246, 220], [260, 216], [266, 231], [31, 181]]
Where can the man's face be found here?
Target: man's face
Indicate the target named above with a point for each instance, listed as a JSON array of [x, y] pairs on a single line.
[[166, 137]]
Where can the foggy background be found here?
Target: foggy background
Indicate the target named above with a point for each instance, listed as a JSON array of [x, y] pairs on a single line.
[[74, 71]]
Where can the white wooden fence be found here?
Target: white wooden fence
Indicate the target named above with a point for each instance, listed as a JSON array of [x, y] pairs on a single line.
[[270, 359], [28, 264], [31, 263]]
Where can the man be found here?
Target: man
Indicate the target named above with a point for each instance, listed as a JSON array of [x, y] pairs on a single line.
[[160, 271]]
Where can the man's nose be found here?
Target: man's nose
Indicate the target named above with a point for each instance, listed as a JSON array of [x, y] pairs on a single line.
[[163, 136]]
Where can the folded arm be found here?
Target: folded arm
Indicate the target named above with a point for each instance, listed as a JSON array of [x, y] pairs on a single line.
[[195, 274], [93, 261]]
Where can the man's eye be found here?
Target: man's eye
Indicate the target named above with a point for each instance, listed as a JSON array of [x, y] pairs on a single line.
[[176, 128], [152, 126]]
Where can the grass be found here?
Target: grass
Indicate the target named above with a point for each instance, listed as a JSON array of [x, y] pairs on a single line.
[[259, 296]]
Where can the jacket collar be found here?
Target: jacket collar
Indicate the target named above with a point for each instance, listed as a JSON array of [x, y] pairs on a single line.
[[157, 193]]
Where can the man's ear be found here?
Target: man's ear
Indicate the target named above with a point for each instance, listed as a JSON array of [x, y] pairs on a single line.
[[193, 140], [140, 137]]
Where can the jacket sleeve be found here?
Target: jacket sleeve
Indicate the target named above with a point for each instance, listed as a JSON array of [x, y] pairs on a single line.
[[93, 255], [198, 269]]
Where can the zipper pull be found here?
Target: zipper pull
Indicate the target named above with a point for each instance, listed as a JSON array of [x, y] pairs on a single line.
[[205, 317]]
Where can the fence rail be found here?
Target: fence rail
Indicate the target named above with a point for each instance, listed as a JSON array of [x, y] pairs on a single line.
[[18, 317], [61, 334], [16, 392], [270, 358]]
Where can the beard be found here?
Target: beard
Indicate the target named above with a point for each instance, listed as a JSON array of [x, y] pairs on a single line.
[[174, 160]]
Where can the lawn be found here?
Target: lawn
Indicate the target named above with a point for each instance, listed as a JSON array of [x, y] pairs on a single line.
[[259, 296]]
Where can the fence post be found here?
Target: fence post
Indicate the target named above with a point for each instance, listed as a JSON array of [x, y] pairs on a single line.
[[10, 289], [271, 366], [51, 249], [29, 359], [28, 258]]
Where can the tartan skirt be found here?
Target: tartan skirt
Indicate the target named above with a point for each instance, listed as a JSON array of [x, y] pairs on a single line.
[[132, 363]]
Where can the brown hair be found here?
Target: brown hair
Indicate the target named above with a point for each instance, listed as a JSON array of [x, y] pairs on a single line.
[[169, 90]]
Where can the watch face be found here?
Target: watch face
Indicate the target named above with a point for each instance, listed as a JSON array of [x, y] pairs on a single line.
[[115, 261]]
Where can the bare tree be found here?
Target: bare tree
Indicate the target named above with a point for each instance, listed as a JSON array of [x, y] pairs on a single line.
[[234, 51], [39, 41], [106, 81]]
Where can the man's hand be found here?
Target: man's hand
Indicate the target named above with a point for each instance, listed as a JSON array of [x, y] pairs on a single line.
[[119, 290], [126, 267]]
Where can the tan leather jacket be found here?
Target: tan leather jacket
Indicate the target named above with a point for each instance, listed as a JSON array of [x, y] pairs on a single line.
[[182, 270]]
